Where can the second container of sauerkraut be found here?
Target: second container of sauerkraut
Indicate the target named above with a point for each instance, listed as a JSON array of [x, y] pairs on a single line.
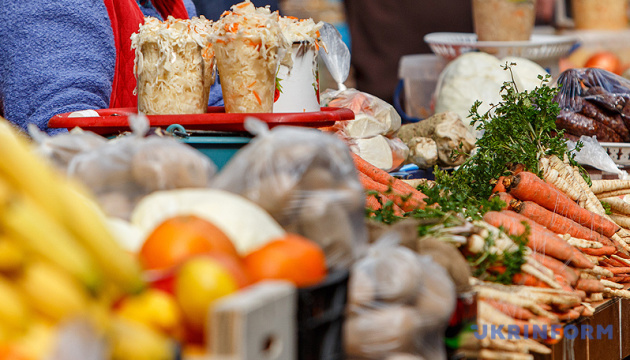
[[249, 48]]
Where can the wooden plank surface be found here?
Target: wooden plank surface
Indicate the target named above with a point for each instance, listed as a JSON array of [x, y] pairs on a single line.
[[584, 347]]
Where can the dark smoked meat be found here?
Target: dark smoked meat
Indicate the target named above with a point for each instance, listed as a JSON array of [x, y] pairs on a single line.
[[576, 123], [610, 119]]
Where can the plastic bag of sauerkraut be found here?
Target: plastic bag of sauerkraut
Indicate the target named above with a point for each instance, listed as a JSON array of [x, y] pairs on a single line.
[[307, 181], [249, 48], [174, 65]]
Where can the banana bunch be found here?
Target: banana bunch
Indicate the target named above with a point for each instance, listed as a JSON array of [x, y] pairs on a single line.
[[59, 260]]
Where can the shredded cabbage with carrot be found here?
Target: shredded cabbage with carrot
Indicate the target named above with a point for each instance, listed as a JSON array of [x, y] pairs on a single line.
[[174, 65], [301, 30], [249, 47]]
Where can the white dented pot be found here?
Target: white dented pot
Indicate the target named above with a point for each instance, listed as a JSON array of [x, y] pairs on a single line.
[[300, 86]]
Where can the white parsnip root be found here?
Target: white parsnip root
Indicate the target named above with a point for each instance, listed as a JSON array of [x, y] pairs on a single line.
[[618, 205], [595, 297], [619, 258], [556, 175], [623, 243], [531, 270], [486, 293], [624, 294], [583, 243], [561, 176], [488, 354], [589, 310], [588, 276], [612, 285], [592, 202], [598, 271], [621, 220], [609, 186]]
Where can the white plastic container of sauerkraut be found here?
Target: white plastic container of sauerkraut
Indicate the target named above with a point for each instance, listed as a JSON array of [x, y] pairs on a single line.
[[299, 87]]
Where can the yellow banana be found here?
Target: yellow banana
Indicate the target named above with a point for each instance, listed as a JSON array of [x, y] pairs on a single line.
[[25, 170], [33, 228], [12, 256], [14, 314], [90, 227], [135, 341], [65, 201], [38, 342], [52, 292], [154, 308]]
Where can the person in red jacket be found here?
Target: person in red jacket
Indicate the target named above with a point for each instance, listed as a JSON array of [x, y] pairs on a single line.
[[68, 55]]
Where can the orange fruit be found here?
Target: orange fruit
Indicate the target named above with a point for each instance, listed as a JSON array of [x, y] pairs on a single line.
[[292, 257], [181, 237], [604, 60], [8, 352]]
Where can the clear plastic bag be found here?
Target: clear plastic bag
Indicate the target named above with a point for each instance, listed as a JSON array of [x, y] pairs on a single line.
[[593, 154], [399, 302], [307, 181], [122, 170], [385, 153], [594, 102], [373, 116], [335, 54], [60, 149]]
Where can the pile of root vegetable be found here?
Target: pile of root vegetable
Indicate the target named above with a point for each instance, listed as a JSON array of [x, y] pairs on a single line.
[[542, 247]]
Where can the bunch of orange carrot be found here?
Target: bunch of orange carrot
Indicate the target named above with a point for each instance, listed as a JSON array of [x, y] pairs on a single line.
[[585, 237], [403, 196]]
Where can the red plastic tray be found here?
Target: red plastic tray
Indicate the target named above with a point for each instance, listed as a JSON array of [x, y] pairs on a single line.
[[113, 121]]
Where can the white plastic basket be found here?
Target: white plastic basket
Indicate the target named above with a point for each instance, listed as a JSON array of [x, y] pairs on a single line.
[[619, 152], [544, 49]]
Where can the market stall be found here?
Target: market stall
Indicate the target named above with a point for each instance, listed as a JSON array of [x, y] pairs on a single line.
[[304, 223]]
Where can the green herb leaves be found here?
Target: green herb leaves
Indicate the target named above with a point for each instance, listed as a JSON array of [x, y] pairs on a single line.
[[520, 129]]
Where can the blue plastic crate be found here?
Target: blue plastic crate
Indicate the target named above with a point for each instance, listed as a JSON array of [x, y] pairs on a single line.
[[220, 148]]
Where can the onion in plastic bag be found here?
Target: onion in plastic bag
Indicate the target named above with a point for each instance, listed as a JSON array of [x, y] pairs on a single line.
[[399, 302]]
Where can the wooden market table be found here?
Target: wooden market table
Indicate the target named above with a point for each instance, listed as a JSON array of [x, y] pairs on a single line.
[[615, 312]]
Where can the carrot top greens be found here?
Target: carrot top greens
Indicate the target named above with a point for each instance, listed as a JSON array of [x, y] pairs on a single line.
[[520, 129]]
